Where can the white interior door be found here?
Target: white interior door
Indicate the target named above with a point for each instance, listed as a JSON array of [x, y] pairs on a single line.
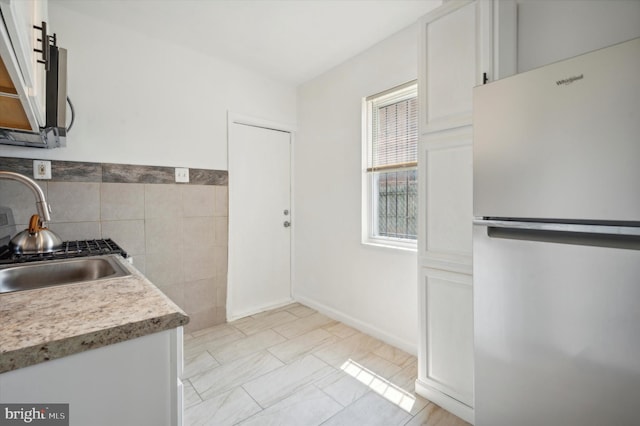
[[259, 205]]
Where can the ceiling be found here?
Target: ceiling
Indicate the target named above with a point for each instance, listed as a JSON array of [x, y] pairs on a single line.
[[292, 41]]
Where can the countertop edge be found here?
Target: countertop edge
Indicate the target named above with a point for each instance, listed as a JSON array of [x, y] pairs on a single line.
[[55, 349]]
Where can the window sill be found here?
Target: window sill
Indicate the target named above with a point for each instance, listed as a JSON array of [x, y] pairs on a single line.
[[391, 244]]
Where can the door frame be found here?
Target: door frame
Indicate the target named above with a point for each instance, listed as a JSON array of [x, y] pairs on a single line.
[[234, 118]]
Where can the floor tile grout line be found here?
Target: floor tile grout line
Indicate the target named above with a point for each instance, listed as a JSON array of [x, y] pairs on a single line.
[[312, 383], [310, 351], [249, 353], [229, 396], [273, 328], [276, 356], [265, 373], [213, 356], [266, 313], [262, 409], [257, 316], [194, 389], [266, 327], [208, 330], [251, 396], [420, 411], [300, 317], [332, 398], [336, 413], [223, 364], [237, 329]]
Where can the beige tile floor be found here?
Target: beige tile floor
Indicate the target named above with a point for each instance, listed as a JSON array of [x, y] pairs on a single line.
[[295, 366]]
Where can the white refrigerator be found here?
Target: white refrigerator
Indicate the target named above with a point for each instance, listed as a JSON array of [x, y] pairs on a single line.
[[556, 244]]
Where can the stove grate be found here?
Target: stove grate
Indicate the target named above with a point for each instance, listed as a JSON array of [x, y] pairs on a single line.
[[70, 249]]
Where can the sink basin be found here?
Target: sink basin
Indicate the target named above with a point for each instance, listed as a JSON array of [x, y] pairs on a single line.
[[59, 272]]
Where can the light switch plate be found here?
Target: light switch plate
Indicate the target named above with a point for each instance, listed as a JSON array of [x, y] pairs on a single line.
[[41, 169], [182, 174]]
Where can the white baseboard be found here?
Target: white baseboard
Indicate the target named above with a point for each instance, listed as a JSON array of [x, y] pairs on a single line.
[[452, 405], [358, 324], [256, 310]]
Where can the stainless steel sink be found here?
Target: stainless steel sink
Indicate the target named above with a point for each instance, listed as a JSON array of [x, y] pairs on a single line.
[[58, 272]]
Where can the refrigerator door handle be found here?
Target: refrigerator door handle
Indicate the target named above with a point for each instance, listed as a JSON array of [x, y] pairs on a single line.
[[624, 237]]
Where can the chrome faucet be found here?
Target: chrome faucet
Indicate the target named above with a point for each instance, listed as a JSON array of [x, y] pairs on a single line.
[[43, 208], [37, 238]]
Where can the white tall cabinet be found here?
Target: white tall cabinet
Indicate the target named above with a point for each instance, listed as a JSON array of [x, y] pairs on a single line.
[[460, 43]]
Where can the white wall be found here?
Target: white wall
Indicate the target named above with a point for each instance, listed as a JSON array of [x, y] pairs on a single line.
[[549, 31], [372, 288], [139, 101]]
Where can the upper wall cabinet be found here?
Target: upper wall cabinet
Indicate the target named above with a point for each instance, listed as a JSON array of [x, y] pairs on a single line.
[[451, 61], [19, 42], [460, 50]]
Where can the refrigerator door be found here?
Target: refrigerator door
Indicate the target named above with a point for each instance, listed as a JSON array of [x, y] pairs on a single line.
[[563, 141], [557, 327]]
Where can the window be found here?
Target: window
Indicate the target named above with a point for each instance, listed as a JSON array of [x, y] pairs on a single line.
[[390, 176]]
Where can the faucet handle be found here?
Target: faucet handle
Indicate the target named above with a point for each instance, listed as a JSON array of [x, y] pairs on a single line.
[[44, 210]]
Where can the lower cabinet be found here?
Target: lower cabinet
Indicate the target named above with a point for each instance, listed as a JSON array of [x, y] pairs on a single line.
[[132, 383], [445, 366]]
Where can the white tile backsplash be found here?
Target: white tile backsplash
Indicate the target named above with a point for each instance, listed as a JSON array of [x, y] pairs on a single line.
[[20, 199], [76, 230], [162, 201], [74, 201], [198, 200], [121, 201], [128, 234]]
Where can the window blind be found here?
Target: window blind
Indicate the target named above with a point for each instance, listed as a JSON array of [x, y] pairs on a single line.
[[394, 139]]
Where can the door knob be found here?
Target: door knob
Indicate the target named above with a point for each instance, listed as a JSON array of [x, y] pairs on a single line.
[[287, 224]]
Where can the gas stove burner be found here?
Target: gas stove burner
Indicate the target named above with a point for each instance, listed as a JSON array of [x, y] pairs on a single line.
[[70, 249]]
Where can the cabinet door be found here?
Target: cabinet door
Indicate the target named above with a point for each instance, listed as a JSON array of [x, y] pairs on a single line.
[[445, 365], [463, 44], [16, 111], [126, 383], [20, 17], [454, 57], [446, 193]]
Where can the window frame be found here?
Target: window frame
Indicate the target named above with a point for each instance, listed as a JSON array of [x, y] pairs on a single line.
[[369, 217]]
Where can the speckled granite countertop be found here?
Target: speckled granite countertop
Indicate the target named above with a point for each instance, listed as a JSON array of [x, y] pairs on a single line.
[[49, 323]]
